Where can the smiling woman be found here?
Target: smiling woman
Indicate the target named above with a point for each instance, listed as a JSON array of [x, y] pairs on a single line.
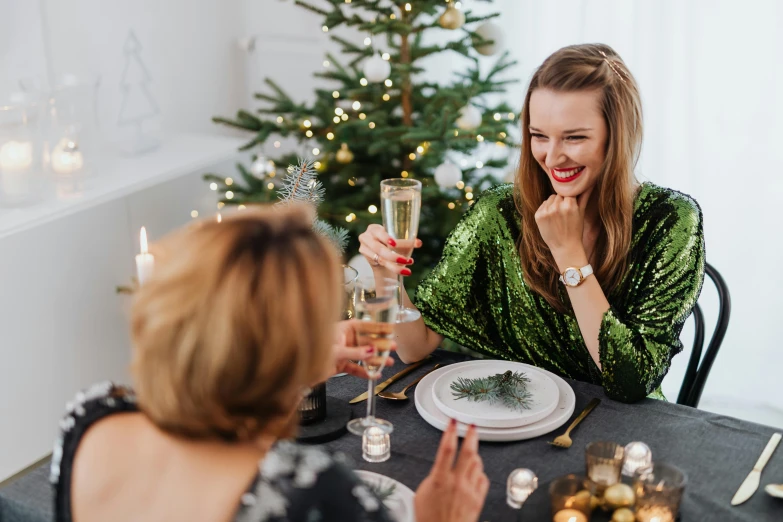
[[578, 268]]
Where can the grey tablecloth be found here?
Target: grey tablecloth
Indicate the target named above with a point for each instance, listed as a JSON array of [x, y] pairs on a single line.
[[715, 451]]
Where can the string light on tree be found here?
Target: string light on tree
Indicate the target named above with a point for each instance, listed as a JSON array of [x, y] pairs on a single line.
[[194, 214], [452, 206], [330, 136], [368, 41], [277, 144], [229, 195], [336, 119], [307, 124], [270, 185], [309, 134], [479, 138], [372, 125], [388, 83], [325, 29], [213, 186], [362, 116], [408, 7], [364, 82], [372, 209], [326, 63], [336, 94], [279, 119], [344, 117], [316, 151], [386, 97], [356, 105], [229, 181], [386, 56], [497, 116]]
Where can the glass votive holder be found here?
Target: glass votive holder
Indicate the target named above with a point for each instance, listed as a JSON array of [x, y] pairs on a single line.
[[521, 484], [21, 151], [376, 445], [659, 489], [312, 408], [604, 462], [570, 497], [637, 456]]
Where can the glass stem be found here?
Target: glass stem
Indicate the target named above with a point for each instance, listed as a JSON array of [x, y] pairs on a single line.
[[400, 290], [370, 400]]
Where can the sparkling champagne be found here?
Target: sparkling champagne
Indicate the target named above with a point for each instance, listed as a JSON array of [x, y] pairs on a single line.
[[376, 317], [401, 209]]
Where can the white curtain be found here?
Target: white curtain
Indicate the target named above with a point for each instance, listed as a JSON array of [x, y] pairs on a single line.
[[711, 76]]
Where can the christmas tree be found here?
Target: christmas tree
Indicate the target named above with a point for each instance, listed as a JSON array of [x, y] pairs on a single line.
[[378, 117]]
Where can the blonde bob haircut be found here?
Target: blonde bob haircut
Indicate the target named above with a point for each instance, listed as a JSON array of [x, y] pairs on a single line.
[[236, 321]]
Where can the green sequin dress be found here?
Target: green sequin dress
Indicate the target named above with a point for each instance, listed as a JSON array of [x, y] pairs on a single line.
[[477, 296]]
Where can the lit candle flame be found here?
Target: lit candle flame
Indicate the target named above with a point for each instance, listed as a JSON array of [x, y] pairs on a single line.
[[143, 240], [219, 218]]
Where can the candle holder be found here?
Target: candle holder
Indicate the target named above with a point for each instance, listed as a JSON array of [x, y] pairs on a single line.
[[604, 462], [571, 499], [659, 490], [21, 151], [521, 484], [376, 445], [637, 456], [312, 408]]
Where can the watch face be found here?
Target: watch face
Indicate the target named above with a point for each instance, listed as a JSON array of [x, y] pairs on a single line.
[[572, 277]]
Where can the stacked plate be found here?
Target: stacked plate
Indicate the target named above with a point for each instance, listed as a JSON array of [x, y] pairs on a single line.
[[399, 502], [551, 405]]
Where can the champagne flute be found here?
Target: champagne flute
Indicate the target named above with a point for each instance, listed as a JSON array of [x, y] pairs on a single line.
[[401, 208], [376, 312]]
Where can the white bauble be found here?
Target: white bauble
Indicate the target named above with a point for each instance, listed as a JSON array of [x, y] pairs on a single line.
[[262, 167], [493, 32], [447, 175], [469, 118], [376, 69]]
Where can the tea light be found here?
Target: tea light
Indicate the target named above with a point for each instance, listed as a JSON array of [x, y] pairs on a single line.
[[520, 485], [66, 157], [654, 514], [569, 515], [604, 474], [145, 261], [637, 456], [376, 446]]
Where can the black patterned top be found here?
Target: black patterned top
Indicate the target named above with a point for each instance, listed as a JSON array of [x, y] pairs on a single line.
[[294, 483]]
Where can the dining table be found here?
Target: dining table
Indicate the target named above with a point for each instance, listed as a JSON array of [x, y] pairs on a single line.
[[716, 452]]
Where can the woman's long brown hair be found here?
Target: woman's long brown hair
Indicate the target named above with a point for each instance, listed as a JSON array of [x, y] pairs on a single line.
[[587, 67]]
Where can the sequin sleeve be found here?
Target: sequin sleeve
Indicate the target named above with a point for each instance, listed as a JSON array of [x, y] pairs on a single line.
[[453, 298], [639, 334]]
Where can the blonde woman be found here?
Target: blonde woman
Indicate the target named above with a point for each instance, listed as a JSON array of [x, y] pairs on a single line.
[[237, 321], [578, 268]]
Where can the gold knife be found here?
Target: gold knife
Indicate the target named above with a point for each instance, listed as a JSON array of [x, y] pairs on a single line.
[[751, 483], [388, 382]]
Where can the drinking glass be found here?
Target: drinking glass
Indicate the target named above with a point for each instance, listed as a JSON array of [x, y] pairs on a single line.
[[401, 208], [376, 313], [659, 490]]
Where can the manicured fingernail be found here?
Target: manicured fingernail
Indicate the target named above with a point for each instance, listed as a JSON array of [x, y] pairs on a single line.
[[405, 272], [409, 261], [392, 242], [452, 422], [402, 260], [370, 350], [473, 426]]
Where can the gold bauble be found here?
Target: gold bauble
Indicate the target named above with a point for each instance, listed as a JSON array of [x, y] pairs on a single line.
[[452, 18], [623, 515], [596, 502], [344, 155], [619, 496]]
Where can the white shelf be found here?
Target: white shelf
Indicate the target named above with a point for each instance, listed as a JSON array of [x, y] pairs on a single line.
[[115, 178]]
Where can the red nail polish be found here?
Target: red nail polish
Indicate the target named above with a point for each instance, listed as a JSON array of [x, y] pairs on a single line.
[[405, 272], [453, 422], [392, 242], [402, 260], [409, 262], [370, 350]]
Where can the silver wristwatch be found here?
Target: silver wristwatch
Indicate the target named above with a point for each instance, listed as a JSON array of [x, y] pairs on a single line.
[[574, 277]]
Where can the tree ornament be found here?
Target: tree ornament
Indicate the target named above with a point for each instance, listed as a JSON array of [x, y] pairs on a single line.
[[452, 18], [262, 167], [376, 69], [469, 118], [344, 155], [447, 175], [619, 496], [490, 32], [623, 515]]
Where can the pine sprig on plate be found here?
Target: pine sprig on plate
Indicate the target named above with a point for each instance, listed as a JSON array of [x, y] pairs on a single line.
[[508, 389], [383, 491]]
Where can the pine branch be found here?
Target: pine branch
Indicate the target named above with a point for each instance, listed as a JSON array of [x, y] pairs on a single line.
[[508, 389]]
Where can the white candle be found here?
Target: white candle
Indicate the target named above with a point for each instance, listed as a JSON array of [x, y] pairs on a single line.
[[569, 515], [637, 456], [16, 157], [604, 474], [145, 261], [66, 158]]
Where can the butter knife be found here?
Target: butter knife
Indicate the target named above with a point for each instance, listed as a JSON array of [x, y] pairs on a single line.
[[388, 382], [751, 483]]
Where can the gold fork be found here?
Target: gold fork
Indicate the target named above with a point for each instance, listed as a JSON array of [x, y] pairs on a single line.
[[564, 440]]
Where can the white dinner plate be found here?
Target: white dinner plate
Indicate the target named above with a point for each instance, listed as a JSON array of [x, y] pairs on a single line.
[[543, 389], [425, 405], [400, 503]]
